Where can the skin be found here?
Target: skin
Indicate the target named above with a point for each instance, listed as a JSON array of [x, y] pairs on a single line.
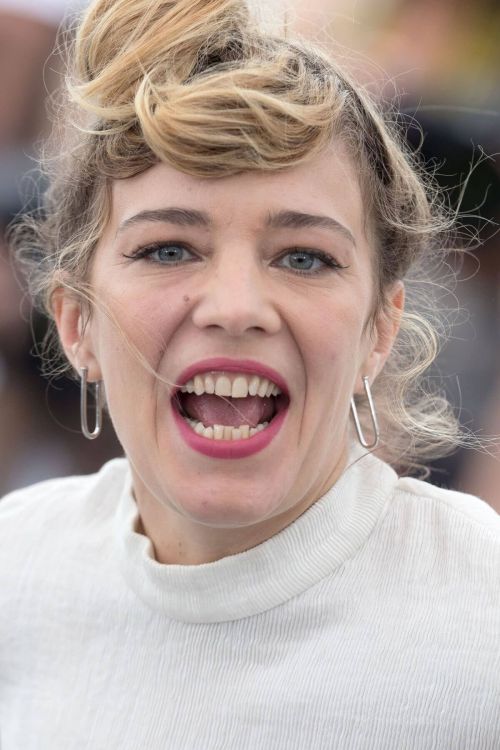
[[239, 298]]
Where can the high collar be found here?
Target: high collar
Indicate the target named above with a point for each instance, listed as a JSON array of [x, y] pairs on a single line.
[[287, 564]]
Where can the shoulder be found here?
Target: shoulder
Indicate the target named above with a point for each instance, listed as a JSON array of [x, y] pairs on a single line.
[[456, 531], [464, 509], [420, 516], [418, 499], [60, 498]]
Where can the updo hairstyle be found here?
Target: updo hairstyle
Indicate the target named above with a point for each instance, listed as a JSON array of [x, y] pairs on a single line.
[[198, 84]]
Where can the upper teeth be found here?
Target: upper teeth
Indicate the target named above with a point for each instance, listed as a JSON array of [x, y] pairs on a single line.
[[237, 386]]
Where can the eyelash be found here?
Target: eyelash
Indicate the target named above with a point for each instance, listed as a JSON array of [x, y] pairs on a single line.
[[147, 251]]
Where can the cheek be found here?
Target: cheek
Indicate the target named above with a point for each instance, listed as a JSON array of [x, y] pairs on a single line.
[[138, 325], [331, 331], [131, 339]]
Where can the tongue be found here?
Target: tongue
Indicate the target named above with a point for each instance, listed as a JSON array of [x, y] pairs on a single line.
[[232, 412]]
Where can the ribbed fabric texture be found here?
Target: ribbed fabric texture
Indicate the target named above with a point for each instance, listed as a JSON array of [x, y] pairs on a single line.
[[370, 623]]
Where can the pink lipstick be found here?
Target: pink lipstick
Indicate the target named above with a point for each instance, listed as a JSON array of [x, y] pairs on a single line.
[[230, 448]]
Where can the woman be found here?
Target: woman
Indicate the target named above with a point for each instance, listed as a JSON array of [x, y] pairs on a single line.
[[223, 252]]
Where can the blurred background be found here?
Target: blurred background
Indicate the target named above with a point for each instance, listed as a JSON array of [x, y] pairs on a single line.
[[441, 58]]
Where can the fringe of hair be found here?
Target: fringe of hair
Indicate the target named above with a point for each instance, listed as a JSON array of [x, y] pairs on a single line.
[[197, 84]]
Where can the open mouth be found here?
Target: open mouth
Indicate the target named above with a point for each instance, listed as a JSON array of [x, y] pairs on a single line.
[[229, 405]]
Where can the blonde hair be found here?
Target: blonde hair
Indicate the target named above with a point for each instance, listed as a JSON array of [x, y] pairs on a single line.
[[199, 85]]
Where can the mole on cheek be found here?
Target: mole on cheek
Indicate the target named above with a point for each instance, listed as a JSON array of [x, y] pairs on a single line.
[[186, 298]]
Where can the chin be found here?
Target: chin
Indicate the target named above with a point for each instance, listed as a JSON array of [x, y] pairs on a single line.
[[229, 506]]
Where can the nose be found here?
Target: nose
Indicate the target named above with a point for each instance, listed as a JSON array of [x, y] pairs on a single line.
[[235, 298]]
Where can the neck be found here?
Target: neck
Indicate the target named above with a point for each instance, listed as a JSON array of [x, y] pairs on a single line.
[[180, 540]]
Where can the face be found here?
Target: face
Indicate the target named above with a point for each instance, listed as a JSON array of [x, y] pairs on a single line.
[[258, 275]]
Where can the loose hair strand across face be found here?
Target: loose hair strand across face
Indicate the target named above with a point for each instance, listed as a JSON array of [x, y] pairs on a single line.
[[199, 85]]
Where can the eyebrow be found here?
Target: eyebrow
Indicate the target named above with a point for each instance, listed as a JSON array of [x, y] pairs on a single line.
[[189, 217], [300, 220], [186, 217]]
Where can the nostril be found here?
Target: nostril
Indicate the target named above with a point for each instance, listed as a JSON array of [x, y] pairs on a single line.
[[236, 313]]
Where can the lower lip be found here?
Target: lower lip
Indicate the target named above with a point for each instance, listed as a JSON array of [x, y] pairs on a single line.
[[229, 448]]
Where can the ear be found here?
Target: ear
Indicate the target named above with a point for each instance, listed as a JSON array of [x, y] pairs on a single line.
[[74, 332], [385, 330]]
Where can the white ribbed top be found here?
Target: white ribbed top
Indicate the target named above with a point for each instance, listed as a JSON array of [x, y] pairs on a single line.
[[268, 575], [370, 623]]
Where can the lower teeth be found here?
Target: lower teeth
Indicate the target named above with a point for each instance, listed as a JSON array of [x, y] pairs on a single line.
[[223, 432]]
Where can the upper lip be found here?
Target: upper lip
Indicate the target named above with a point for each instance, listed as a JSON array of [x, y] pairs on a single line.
[[223, 364]]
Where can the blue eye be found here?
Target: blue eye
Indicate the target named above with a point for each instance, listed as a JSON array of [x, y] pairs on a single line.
[[308, 261], [165, 253], [301, 261], [170, 254]]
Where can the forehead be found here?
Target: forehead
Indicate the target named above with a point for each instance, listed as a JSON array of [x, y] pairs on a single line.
[[326, 184]]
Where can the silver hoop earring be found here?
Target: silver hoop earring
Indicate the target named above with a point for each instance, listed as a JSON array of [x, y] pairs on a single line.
[[83, 406], [376, 430]]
